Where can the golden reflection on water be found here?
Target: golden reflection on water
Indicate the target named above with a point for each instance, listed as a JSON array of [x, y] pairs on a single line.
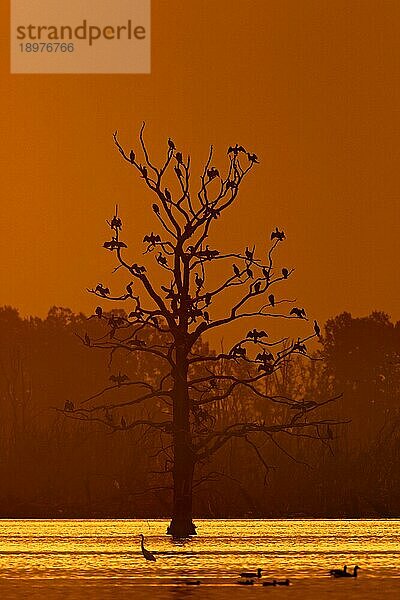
[[47, 554]]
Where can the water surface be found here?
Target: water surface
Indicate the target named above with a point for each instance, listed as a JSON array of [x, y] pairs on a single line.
[[101, 559]]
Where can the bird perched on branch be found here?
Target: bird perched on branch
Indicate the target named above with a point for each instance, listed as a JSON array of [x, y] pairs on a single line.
[[236, 270], [151, 239], [114, 244], [212, 173], [99, 312], [253, 158], [299, 312], [237, 351], [161, 259], [146, 553], [236, 149], [119, 379], [100, 289], [69, 406], [279, 235], [317, 329], [256, 335], [285, 273]]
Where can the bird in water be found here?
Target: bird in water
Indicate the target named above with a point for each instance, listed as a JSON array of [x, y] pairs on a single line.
[[270, 583], [193, 582], [347, 574], [338, 572], [245, 582], [146, 553], [249, 575], [284, 582]]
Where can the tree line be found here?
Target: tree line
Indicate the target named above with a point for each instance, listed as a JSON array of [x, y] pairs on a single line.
[[54, 466]]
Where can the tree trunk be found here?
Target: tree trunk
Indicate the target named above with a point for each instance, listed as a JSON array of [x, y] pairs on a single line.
[[184, 461]]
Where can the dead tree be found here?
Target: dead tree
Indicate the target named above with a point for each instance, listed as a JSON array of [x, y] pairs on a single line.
[[181, 310]]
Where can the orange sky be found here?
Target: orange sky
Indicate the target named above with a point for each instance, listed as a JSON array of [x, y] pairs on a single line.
[[311, 86]]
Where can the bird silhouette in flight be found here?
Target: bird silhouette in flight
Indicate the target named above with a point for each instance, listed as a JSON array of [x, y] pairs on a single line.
[[271, 299], [278, 235], [285, 273], [119, 379], [146, 553], [317, 329], [298, 312], [69, 406]]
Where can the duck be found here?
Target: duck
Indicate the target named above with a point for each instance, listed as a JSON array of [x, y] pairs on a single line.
[[251, 575], [146, 553], [339, 572], [193, 582], [354, 574], [284, 582], [270, 583]]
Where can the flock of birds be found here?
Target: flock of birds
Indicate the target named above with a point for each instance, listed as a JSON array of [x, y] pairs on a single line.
[[249, 577]]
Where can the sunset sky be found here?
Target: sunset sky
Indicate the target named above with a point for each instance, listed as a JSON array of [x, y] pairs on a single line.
[[312, 87]]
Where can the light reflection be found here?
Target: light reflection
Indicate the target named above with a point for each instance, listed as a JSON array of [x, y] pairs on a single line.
[[101, 553]]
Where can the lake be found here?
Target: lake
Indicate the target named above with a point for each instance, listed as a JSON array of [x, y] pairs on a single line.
[[101, 559]]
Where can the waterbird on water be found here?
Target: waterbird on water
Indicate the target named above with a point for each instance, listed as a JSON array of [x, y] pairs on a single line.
[[245, 582], [269, 583], [251, 575], [338, 572], [148, 555], [345, 572]]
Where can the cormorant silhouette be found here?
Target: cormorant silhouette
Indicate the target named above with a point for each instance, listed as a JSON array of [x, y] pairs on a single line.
[[236, 270], [317, 329], [279, 235], [256, 335], [285, 273], [299, 312], [132, 156], [171, 144], [156, 208], [269, 583], [99, 311], [178, 157], [271, 299], [199, 281], [100, 289]]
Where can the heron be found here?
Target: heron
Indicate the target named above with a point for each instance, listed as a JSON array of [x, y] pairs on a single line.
[[146, 553]]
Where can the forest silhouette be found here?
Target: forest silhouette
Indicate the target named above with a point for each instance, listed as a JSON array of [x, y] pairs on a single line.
[[53, 466]]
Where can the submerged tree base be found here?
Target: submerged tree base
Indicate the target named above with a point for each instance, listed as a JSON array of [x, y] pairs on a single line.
[[181, 528]]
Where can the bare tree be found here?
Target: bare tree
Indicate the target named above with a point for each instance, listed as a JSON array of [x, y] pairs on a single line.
[[185, 308]]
